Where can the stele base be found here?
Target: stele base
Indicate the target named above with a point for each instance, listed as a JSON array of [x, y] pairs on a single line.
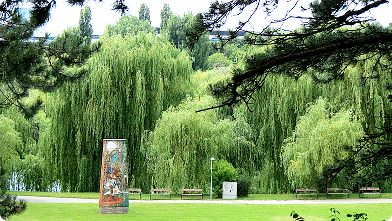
[[113, 210]]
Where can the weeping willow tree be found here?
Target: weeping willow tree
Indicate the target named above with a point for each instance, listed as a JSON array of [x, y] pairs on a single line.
[[178, 151], [320, 139], [131, 81], [278, 105], [10, 143]]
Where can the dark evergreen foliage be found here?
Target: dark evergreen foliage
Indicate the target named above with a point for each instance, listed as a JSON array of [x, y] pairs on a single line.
[[243, 186], [369, 163], [26, 64], [326, 42]]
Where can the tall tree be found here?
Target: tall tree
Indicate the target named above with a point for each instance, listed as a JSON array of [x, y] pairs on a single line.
[[130, 83], [144, 13], [128, 25], [320, 140], [165, 16], [175, 32], [85, 27], [180, 147]]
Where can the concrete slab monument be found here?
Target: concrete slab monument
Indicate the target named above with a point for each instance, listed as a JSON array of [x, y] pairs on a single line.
[[113, 197]]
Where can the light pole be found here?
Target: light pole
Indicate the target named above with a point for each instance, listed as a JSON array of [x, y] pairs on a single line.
[[212, 159]]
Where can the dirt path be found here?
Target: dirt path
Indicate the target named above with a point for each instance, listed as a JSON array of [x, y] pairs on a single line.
[[33, 199]]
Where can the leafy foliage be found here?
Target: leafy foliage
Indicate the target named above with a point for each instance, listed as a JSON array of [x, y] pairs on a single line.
[[10, 143], [128, 25], [175, 32], [222, 171], [26, 64], [319, 140], [166, 13], [85, 27], [281, 102], [243, 185], [180, 147], [130, 83], [144, 13], [327, 42], [218, 60]]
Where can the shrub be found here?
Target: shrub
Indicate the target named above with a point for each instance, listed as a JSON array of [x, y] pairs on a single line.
[[243, 186], [222, 171], [218, 60]]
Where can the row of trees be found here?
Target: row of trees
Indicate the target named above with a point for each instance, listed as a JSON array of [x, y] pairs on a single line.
[[144, 88], [171, 146]]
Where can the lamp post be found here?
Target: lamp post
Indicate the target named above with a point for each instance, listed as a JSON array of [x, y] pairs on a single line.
[[212, 159]]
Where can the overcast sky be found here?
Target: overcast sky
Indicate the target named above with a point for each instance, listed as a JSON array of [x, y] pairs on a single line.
[[64, 16]]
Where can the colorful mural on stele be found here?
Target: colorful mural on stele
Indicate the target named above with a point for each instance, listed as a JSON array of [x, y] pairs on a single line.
[[113, 196]]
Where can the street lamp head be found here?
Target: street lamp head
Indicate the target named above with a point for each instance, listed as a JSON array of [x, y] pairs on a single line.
[[212, 158]]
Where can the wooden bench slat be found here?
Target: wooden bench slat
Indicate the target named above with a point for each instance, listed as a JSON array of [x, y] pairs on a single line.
[[157, 190], [185, 192], [369, 190], [135, 191], [163, 192], [305, 192], [342, 191]]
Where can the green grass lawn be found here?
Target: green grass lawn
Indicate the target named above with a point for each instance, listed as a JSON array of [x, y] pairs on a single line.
[[178, 211], [199, 211]]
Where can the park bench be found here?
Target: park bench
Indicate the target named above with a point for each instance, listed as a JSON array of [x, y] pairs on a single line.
[[192, 192], [160, 192], [135, 192], [338, 191], [369, 190], [306, 192]]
